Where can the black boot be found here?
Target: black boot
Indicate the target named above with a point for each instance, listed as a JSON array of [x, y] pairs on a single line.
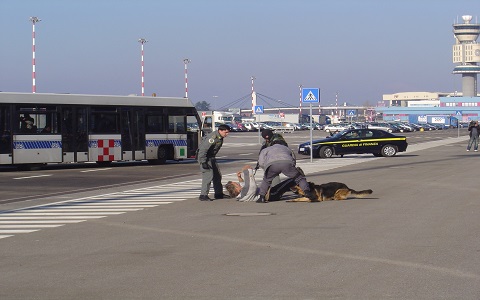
[[262, 199], [204, 198], [221, 196]]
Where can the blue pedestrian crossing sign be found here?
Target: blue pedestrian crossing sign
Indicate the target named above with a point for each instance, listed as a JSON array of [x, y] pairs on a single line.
[[458, 113], [258, 109], [351, 112], [310, 95]]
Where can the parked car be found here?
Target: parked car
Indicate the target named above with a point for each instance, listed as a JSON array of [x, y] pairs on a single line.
[[381, 126], [335, 127], [356, 141]]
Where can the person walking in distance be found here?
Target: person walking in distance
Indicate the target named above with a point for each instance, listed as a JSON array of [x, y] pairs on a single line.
[[207, 150], [474, 130]]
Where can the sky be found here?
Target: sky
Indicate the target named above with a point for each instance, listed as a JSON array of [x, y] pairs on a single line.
[[355, 50]]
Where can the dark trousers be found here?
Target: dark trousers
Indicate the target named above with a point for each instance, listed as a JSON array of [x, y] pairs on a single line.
[[277, 191], [288, 170]]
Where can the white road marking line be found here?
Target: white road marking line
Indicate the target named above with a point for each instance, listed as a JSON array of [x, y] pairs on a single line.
[[5, 236], [95, 170], [34, 176]]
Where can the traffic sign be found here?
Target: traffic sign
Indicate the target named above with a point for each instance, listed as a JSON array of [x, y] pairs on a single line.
[[310, 95], [458, 113], [351, 112], [258, 109]]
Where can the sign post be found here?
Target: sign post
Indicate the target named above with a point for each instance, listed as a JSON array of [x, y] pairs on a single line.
[[258, 109], [458, 114], [311, 95]]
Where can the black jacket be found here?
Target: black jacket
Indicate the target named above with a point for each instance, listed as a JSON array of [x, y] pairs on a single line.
[[474, 126]]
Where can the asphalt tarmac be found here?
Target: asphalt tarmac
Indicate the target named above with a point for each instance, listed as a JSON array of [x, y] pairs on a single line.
[[416, 237]]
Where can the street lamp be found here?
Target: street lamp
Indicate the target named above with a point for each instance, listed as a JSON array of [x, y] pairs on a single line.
[[186, 61], [33, 20], [142, 41]]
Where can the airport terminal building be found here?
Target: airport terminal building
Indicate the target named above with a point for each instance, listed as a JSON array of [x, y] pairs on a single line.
[[418, 106]]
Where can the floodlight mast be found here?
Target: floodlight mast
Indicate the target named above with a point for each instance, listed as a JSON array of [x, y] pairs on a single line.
[[300, 107], [186, 61], [142, 41], [253, 97], [34, 20]]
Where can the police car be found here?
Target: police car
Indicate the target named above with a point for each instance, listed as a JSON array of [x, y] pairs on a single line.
[[356, 141]]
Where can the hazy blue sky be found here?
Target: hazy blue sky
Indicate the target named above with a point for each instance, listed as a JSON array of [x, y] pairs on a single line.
[[358, 48]]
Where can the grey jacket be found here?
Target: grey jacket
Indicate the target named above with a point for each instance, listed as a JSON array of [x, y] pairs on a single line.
[[209, 147], [275, 154]]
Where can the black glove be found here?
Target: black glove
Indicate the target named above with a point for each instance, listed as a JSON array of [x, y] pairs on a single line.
[[205, 166], [257, 166]]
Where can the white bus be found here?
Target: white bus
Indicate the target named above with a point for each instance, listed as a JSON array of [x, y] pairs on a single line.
[[65, 128]]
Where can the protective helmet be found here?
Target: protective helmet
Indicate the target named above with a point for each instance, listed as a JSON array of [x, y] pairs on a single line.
[[267, 133]]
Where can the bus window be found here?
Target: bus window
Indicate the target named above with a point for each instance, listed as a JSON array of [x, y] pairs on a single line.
[[104, 120], [155, 124], [37, 120], [176, 124]]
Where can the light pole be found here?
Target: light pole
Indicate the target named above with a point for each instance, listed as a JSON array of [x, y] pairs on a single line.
[[142, 41], [186, 61], [33, 20]]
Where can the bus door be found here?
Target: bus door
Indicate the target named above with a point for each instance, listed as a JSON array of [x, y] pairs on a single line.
[[74, 134], [6, 135], [133, 133]]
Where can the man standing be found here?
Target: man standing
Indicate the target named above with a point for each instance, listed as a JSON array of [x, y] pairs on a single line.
[[277, 159], [207, 150], [474, 133]]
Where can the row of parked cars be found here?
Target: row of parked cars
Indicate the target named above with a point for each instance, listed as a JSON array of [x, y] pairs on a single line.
[[253, 126], [386, 126]]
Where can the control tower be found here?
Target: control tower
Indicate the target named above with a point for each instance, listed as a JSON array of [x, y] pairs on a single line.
[[466, 54]]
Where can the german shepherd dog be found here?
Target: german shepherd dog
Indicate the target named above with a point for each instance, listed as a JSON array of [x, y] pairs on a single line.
[[329, 191]]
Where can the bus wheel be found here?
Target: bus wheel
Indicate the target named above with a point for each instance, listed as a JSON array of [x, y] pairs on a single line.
[[162, 155]]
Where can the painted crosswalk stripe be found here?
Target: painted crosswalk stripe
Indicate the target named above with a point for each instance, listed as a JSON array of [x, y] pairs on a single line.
[[82, 209], [63, 214], [31, 226], [10, 231], [40, 221], [49, 217]]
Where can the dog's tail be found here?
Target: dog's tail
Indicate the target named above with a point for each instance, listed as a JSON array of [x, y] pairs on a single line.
[[360, 194]]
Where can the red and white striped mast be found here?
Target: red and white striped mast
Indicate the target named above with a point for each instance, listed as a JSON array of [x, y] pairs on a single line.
[[186, 61], [33, 20], [300, 111], [142, 41], [253, 100]]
